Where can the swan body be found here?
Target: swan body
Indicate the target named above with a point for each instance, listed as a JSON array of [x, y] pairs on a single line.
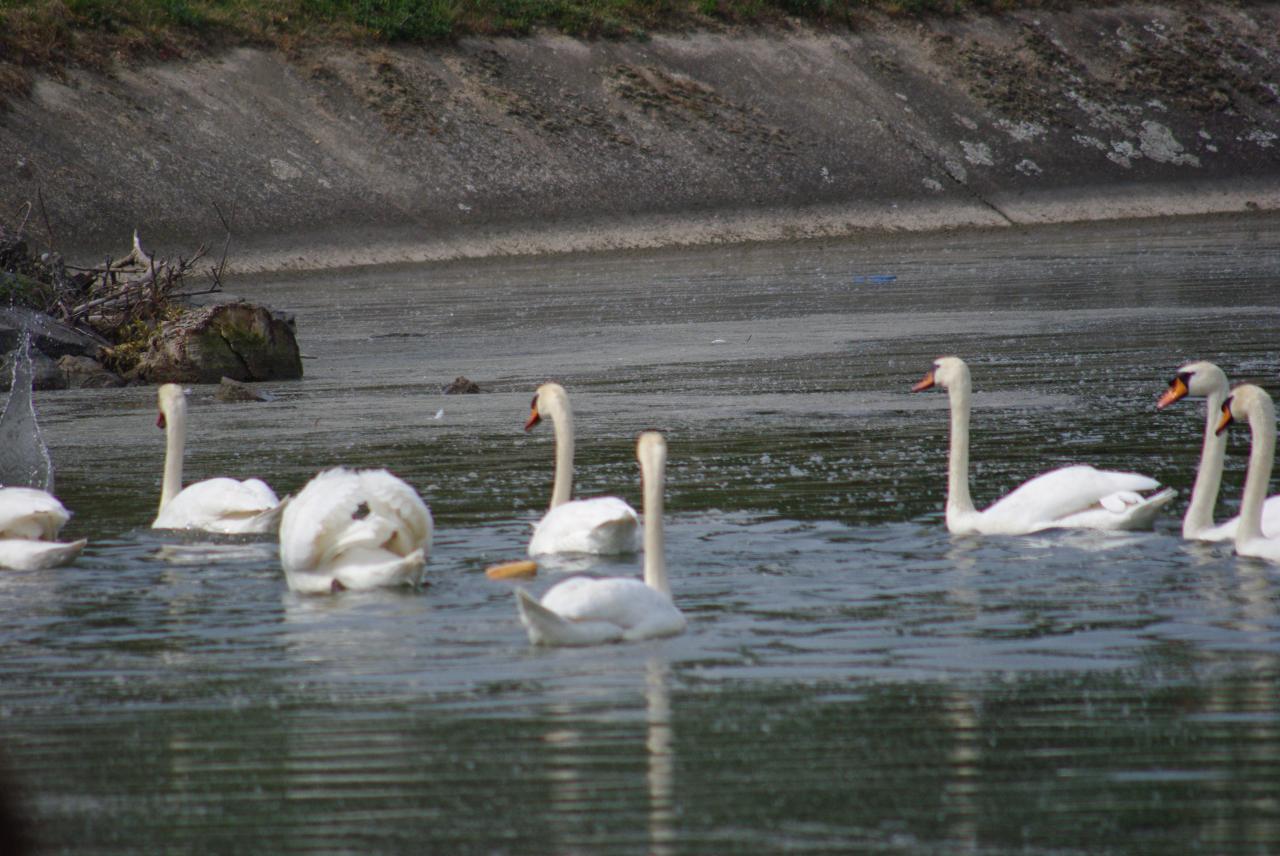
[[1252, 404], [590, 611], [222, 505], [602, 526], [1072, 497], [354, 529], [30, 520], [1205, 380]]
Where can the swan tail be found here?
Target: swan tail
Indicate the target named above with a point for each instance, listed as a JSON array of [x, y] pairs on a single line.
[[20, 554], [1143, 515], [548, 628]]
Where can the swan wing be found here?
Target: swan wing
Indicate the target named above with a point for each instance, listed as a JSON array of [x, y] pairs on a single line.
[[1125, 510], [601, 526], [21, 554], [318, 517], [391, 500], [30, 513], [223, 505], [1048, 498]]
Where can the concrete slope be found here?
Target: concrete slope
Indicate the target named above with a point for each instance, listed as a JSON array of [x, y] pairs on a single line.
[[548, 143]]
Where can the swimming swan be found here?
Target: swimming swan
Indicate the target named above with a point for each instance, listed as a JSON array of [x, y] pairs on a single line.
[[30, 520], [1073, 497], [354, 529], [589, 610], [1205, 380], [222, 505], [603, 525], [1251, 403]]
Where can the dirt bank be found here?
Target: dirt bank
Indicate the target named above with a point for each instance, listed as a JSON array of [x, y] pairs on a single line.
[[548, 143]]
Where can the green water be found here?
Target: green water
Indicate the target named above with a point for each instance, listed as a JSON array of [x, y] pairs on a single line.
[[853, 679]]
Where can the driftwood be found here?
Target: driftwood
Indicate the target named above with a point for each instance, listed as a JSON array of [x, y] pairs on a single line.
[[137, 287], [105, 299]]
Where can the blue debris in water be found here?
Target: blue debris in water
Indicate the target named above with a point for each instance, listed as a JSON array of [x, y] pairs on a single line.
[[876, 278]]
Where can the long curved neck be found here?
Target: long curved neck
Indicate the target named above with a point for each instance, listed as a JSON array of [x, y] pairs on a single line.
[[653, 476], [175, 433], [562, 423], [958, 499], [1204, 493], [1262, 453]]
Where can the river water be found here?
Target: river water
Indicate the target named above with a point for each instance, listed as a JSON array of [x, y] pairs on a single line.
[[852, 679]]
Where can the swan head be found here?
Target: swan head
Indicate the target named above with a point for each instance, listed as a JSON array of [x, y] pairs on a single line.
[[1242, 401], [173, 403], [1199, 379], [651, 451], [549, 400], [945, 372]]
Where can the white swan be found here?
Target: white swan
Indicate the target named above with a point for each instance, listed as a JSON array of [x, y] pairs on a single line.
[[589, 610], [354, 529], [30, 520], [221, 505], [1248, 402], [1073, 497], [603, 525], [1205, 380]]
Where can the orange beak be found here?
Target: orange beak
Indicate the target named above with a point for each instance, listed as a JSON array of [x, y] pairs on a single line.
[[1226, 418], [534, 419], [925, 383], [160, 423], [1176, 392]]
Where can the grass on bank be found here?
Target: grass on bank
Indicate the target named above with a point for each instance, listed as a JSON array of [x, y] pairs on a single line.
[[49, 35]]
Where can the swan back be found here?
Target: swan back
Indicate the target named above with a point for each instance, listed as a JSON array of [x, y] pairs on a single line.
[[223, 505], [360, 529], [30, 513], [599, 526]]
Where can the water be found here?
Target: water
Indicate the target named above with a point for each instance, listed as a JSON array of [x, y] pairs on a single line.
[[853, 679]]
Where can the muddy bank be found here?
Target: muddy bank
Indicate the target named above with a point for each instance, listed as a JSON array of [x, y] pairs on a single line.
[[550, 144]]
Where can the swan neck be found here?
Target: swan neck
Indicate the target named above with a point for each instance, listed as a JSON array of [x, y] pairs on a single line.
[[175, 432], [1204, 493], [958, 498], [562, 423], [653, 476], [1262, 452]]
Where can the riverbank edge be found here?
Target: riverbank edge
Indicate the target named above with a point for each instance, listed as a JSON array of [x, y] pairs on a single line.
[[366, 247]]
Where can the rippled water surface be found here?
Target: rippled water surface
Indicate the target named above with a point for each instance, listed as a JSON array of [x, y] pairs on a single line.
[[852, 679]]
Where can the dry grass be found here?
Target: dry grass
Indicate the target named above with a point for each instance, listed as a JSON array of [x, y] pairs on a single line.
[[52, 35]]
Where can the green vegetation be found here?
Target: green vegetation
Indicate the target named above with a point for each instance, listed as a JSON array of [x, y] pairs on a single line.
[[53, 34]]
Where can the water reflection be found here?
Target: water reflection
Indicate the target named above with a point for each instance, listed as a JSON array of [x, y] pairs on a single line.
[[660, 744]]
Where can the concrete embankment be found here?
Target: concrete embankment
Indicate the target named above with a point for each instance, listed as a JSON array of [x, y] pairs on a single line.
[[365, 155]]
